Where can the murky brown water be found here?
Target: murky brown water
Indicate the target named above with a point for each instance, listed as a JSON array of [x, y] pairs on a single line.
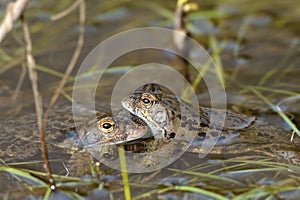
[[261, 49]]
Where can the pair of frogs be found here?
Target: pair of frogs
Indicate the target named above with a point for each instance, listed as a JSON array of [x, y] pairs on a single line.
[[156, 122], [181, 126]]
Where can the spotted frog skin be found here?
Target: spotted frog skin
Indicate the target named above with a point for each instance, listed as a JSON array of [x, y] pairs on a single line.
[[164, 113], [161, 111]]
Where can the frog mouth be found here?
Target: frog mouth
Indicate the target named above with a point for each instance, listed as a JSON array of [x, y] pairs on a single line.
[[156, 130]]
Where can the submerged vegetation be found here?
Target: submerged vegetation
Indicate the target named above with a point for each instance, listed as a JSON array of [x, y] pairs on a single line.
[[233, 178], [255, 45]]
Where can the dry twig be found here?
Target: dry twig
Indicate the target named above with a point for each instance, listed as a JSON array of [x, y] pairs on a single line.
[[67, 11], [181, 33], [13, 12], [73, 60], [20, 83], [37, 99]]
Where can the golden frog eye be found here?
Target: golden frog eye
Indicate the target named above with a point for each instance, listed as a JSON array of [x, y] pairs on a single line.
[[147, 100], [107, 125]]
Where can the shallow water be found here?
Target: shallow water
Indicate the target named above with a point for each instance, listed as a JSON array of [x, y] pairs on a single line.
[[261, 45]]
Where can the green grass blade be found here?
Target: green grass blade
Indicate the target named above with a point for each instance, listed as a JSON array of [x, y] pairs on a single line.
[[211, 176], [279, 112], [248, 171], [124, 172], [279, 91], [22, 174], [49, 71], [148, 194], [200, 191], [47, 194]]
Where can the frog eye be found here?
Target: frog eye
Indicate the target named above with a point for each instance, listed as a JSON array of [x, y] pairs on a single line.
[[147, 100], [107, 125]]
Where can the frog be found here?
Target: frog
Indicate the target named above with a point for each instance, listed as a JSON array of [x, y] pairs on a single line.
[[21, 139], [161, 110]]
